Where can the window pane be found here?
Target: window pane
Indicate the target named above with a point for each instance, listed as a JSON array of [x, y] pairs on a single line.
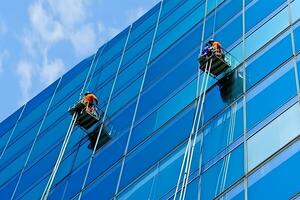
[[280, 86], [278, 133], [282, 173], [297, 37], [267, 31], [237, 193], [227, 10], [99, 189], [174, 55], [224, 173], [172, 18], [226, 36], [161, 178], [9, 123], [163, 114], [266, 61], [178, 31], [265, 7], [166, 87], [222, 131], [179, 129], [295, 10]]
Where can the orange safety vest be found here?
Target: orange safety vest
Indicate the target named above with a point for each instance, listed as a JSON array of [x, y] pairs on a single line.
[[217, 46], [90, 98]]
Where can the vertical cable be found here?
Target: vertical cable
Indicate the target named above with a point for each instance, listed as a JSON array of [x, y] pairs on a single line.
[[138, 98], [88, 74], [71, 171], [94, 69], [215, 19], [196, 130], [153, 185], [229, 139], [294, 50], [202, 135], [187, 154], [13, 131], [87, 87], [104, 116], [36, 137], [59, 159], [67, 137], [244, 103]]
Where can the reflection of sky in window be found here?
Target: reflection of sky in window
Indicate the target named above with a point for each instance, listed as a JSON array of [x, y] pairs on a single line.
[[277, 133], [267, 31]]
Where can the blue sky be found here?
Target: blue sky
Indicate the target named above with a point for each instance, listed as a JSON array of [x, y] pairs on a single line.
[[42, 39]]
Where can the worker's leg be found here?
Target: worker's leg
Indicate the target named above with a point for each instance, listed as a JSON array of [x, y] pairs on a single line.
[[88, 107]]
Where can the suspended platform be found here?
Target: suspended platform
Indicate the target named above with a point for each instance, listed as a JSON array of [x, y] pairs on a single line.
[[218, 64], [104, 137], [85, 119]]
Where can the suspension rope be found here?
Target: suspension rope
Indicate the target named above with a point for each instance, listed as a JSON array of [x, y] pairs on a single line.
[[88, 74], [87, 86], [187, 154], [153, 184], [67, 137], [225, 164], [36, 137], [215, 19], [198, 92], [105, 114], [59, 159], [94, 69], [13, 131], [139, 97], [195, 132], [202, 134]]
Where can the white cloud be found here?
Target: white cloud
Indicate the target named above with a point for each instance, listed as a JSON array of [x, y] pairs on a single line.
[[3, 55], [133, 15], [49, 29], [51, 71], [25, 71], [70, 12], [84, 40], [32, 44], [3, 28], [101, 27]]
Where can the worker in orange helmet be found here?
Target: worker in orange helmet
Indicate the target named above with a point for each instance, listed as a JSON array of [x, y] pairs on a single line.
[[217, 47], [90, 100]]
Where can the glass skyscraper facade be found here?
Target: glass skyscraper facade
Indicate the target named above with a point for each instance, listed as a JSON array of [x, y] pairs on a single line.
[[148, 81]]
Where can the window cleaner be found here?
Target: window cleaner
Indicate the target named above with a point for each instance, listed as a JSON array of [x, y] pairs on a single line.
[[213, 51], [88, 114]]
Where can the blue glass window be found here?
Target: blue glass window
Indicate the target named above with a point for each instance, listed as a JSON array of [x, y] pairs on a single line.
[[295, 10], [278, 133], [282, 167], [173, 56], [177, 32], [280, 86], [224, 173], [178, 129], [99, 189], [297, 38], [266, 61], [269, 30], [222, 131], [265, 7]]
